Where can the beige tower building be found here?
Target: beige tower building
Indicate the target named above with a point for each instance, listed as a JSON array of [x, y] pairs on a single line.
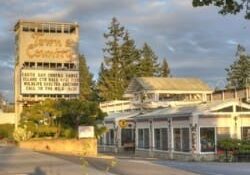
[[47, 63]]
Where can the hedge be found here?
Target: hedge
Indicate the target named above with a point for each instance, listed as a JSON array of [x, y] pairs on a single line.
[[6, 130]]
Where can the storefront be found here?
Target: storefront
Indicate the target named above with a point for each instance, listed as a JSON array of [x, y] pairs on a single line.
[[120, 135], [191, 132]]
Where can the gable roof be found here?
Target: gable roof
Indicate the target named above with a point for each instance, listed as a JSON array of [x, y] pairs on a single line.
[[169, 84]]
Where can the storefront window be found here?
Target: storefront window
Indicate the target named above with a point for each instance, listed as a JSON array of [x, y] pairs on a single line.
[[185, 140], [181, 139], [110, 137], [177, 139], [161, 139], [143, 138], [127, 136], [207, 139], [245, 133]]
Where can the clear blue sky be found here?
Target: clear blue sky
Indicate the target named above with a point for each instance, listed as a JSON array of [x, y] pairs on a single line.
[[196, 42]]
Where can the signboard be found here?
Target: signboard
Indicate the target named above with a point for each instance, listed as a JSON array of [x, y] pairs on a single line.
[[48, 46], [123, 123], [86, 132], [49, 82]]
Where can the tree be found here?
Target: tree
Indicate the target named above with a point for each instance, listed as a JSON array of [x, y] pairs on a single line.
[[238, 73], [226, 6], [113, 76], [103, 84], [42, 118], [148, 65], [240, 51], [130, 59], [50, 117], [122, 62], [165, 71], [86, 82], [76, 112]]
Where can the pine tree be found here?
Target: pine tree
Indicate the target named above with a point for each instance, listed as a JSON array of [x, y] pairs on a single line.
[[112, 79], [238, 74], [148, 65], [130, 59], [122, 62], [86, 82], [165, 71], [103, 84]]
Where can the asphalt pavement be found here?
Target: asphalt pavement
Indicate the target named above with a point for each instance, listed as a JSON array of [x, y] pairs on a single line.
[[16, 161], [208, 168]]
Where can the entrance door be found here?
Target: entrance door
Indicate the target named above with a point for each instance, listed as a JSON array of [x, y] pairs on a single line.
[[128, 138]]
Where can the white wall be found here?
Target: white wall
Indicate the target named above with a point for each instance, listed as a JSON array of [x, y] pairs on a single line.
[[7, 118]]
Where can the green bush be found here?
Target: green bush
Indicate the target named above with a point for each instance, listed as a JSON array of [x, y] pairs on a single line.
[[229, 144], [244, 147], [21, 134], [46, 131], [6, 130], [69, 133], [232, 147]]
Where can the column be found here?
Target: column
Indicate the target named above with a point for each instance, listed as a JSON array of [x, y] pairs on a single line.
[[194, 135], [170, 139], [151, 137]]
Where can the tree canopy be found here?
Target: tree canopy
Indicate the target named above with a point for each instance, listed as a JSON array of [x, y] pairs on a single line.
[[51, 118], [148, 65], [164, 69], [86, 80], [123, 61], [238, 74], [226, 6]]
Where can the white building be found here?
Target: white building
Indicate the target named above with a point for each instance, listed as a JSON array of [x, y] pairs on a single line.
[[178, 119], [191, 132]]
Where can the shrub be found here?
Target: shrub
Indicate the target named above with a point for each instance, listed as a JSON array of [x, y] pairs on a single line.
[[233, 147], [69, 133], [244, 147], [46, 131], [6, 131], [229, 144], [21, 134]]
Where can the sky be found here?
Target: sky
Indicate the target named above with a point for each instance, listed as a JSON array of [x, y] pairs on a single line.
[[197, 42]]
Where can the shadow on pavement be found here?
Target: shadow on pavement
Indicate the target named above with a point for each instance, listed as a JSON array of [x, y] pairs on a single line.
[[38, 171]]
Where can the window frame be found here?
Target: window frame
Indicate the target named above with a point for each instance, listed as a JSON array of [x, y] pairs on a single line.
[[143, 139], [160, 140], [181, 139], [215, 140], [242, 132]]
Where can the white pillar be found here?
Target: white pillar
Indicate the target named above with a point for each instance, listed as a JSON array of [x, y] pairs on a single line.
[[171, 139]]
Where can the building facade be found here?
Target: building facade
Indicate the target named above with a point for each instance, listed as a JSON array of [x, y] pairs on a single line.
[[47, 62], [178, 119], [155, 92], [191, 132]]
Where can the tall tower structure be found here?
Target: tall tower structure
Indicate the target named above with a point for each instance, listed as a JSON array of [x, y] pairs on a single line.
[[47, 62]]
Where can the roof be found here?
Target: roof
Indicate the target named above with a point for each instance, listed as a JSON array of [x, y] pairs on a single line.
[[192, 109], [120, 116], [38, 22], [169, 84]]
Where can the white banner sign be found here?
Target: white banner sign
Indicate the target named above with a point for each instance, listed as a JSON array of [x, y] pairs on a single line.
[[49, 82], [86, 132]]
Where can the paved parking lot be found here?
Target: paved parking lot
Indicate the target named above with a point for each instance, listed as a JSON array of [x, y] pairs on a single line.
[[209, 168], [15, 161]]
